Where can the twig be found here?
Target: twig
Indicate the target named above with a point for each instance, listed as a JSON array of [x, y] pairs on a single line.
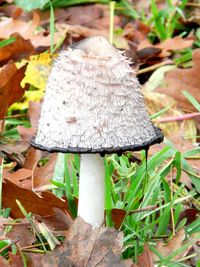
[[15, 116], [154, 67], [193, 4], [179, 118], [16, 224], [33, 251], [144, 209], [34, 246]]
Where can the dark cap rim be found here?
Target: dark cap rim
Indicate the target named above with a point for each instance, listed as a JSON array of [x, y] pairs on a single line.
[[104, 150]]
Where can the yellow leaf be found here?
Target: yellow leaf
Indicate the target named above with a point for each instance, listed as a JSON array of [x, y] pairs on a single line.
[[35, 96], [38, 70]]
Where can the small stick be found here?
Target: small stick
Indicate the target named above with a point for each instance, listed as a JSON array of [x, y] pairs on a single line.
[[15, 116], [154, 67], [34, 246], [15, 224], [193, 4], [179, 118], [144, 209]]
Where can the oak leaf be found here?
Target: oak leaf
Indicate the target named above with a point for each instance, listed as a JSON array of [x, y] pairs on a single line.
[[84, 246], [10, 89], [38, 204], [17, 50], [183, 79]]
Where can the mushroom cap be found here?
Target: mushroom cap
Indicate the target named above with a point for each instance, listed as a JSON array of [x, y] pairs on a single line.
[[93, 103]]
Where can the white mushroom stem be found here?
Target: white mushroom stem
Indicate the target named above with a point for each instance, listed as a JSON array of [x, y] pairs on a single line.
[[91, 189]]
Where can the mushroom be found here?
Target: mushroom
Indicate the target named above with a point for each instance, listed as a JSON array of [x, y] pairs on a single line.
[[93, 106]]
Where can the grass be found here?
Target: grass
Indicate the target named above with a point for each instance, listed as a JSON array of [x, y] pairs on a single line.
[[130, 187]]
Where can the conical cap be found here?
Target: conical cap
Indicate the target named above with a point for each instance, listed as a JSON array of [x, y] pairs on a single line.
[[93, 103]]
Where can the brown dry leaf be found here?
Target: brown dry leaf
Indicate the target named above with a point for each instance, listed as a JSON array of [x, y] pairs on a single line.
[[32, 157], [10, 89], [25, 133], [176, 43], [77, 31], [82, 15], [42, 175], [118, 217], [146, 258], [136, 32], [13, 261], [17, 176], [57, 222], [17, 50], [42, 205], [4, 262], [22, 232], [34, 113], [26, 29], [171, 44], [175, 243], [183, 79], [14, 151], [84, 246]]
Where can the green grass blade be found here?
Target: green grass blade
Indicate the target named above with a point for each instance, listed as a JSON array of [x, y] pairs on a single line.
[[7, 41], [192, 100], [108, 198]]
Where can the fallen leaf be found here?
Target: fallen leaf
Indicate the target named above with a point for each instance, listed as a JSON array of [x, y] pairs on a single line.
[[175, 243], [78, 31], [146, 258], [10, 89], [189, 214], [34, 113], [176, 43], [136, 31], [13, 261], [84, 246], [21, 231], [83, 15], [17, 176], [57, 222], [32, 157], [42, 205], [37, 71], [25, 133], [17, 50], [26, 29], [118, 217], [16, 147], [183, 79], [171, 44], [42, 175]]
